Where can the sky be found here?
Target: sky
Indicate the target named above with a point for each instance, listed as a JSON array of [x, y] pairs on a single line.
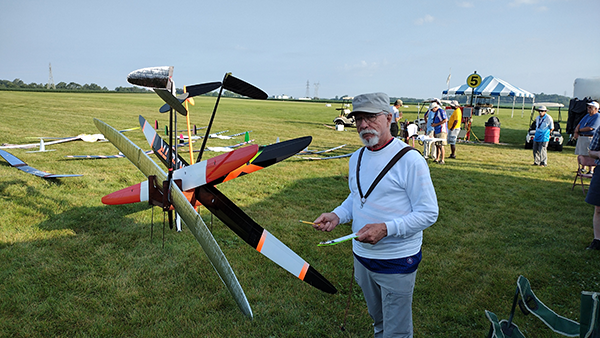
[[402, 48]]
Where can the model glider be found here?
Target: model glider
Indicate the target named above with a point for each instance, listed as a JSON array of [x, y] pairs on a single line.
[[185, 210], [324, 158], [17, 163], [227, 211], [57, 140], [96, 157], [314, 152], [226, 149], [232, 216]]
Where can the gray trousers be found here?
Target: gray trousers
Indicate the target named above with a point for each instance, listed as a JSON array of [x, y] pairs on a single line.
[[540, 153], [389, 300]]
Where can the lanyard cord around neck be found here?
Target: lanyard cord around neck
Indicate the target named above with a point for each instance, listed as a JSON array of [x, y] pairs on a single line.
[[363, 198], [540, 121]]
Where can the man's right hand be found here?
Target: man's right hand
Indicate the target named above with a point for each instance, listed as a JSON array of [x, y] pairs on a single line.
[[326, 222]]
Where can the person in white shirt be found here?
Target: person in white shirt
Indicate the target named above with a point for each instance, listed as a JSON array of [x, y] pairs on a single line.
[[388, 217]]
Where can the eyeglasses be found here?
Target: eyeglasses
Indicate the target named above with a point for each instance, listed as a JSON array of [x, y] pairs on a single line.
[[369, 118]]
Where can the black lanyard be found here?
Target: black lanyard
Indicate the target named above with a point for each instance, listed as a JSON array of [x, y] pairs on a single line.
[[363, 198]]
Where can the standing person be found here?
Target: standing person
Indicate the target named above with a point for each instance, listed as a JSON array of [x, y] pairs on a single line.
[[585, 129], [544, 125], [430, 130], [593, 195], [440, 125], [454, 127], [396, 116], [389, 221]]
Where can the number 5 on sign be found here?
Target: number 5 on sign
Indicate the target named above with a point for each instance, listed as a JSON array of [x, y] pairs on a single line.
[[474, 80]]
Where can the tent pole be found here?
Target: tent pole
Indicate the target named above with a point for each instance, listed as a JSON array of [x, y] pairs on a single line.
[[513, 108], [498, 109]]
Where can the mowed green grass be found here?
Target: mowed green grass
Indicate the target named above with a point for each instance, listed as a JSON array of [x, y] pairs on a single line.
[[71, 266]]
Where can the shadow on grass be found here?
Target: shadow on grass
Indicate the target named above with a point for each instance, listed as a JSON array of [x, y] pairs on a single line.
[[491, 228]]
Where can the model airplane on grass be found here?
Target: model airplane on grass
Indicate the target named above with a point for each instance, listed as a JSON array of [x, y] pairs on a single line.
[[19, 164], [57, 140], [199, 183]]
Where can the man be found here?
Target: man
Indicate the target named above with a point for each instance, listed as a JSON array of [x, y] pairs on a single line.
[[544, 125], [389, 220], [586, 127], [430, 130], [440, 125], [593, 195], [454, 127], [396, 116]]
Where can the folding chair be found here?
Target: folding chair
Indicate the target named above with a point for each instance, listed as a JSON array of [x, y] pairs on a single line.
[[582, 162], [529, 303]]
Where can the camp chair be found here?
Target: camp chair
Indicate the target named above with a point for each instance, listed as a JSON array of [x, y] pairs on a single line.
[[582, 162], [529, 303]]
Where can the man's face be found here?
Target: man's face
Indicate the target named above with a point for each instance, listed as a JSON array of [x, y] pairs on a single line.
[[373, 128], [592, 110], [542, 112]]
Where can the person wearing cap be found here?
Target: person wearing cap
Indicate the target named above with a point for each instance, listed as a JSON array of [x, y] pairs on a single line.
[[389, 218], [396, 116], [440, 125], [544, 125], [454, 127], [585, 129], [430, 130], [593, 195]]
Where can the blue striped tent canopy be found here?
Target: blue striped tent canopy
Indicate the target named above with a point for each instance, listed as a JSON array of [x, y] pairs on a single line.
[[490, 86]]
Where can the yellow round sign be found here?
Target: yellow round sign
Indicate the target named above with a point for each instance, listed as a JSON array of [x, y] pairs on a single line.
[[474, 80]]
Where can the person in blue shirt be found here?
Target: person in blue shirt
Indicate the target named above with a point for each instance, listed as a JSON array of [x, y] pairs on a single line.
[[544, 125], [440, 125]]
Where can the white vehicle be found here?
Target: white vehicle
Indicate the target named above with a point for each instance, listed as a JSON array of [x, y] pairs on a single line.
[[343, 118]]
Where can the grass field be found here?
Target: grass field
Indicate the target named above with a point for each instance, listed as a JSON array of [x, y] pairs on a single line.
[[73, 267]]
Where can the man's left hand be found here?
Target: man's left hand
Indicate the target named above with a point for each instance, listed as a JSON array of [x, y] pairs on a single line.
[[372, 233]]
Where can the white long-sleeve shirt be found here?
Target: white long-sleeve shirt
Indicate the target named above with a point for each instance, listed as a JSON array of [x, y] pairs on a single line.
[[404, 199]]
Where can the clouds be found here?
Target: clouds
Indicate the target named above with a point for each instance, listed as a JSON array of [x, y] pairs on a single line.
[[424, 20]]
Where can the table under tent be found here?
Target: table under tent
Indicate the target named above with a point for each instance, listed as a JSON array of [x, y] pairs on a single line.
[[493, 87]]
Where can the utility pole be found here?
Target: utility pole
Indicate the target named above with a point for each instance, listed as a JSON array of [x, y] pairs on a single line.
[[50, 83]]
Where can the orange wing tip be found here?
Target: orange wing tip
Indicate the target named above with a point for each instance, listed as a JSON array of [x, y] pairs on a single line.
[[303, 271], [263, 237], [128, 195]]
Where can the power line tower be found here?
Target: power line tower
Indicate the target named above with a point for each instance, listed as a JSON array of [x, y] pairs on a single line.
[[316, 90], [50, 83], [307, 89]]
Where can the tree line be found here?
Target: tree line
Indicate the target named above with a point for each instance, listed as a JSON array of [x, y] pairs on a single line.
[[71, 86]]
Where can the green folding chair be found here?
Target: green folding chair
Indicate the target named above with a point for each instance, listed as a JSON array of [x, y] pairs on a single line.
[[529, 303]]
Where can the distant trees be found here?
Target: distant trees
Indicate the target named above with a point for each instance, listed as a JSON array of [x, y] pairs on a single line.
[[19, 84], [133, 89]]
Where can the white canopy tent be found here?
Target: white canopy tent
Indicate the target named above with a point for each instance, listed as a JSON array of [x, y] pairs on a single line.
[[493, 86]]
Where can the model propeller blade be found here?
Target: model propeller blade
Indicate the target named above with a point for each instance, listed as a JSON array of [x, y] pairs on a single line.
[[243, 88], [237, 86], [193, 90], [172, 100], [202, 88]]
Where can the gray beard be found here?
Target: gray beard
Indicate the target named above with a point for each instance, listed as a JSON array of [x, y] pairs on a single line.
[[373, 140]]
